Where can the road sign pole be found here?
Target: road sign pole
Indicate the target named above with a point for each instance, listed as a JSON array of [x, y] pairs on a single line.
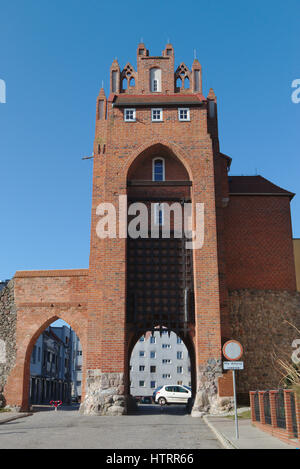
[[235, 407]]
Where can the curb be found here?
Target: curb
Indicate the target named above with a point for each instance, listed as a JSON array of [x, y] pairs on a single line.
[[227, 444], [15, 417]]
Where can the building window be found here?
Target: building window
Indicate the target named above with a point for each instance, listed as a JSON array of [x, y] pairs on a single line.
[[152, 384], [152, 369], [179, 382], [179, 355], [142, 353], [100, 109], [157, 115], [196, 80], [184, 114], [166, 361], [141, 368], [141, 384], [179, 341], [129, 115], [152, 354], [33, 356], [158, 169], [152, 340], [166, 346], [179, 369], [166, 376], [158, 214], [142, 339], [155, 80]]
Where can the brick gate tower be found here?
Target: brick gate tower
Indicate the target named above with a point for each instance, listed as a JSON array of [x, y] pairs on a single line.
[[156, 142], [156, 146]]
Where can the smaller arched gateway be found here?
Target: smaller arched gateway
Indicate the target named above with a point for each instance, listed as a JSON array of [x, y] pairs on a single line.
[[37, 299]]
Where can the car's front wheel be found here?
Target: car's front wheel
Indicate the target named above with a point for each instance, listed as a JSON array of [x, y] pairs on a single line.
[[162, 401]]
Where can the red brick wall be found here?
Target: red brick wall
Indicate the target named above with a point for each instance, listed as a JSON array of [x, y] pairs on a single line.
[[258, 243]]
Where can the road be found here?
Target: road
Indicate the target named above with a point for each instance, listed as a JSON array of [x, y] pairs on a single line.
[[150, 428]]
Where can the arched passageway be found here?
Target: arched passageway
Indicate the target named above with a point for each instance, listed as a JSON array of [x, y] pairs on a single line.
[[56, 366]]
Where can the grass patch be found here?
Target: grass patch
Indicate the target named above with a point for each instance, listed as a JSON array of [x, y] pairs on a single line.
[[242, 415]]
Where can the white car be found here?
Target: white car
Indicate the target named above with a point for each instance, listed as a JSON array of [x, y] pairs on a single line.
[[173, 394]]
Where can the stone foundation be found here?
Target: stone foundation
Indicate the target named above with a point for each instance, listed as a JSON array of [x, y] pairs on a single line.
[[207, 399], [259, 321], [104, 394], [8, 321]]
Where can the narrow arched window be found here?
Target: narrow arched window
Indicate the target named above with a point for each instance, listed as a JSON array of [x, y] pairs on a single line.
[[155, 79], [158, 173]]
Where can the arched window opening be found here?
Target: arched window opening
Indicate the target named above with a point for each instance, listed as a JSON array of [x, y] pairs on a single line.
[[158, 169], [155, 79], [178, 82], [56, 366], [186, 83], [124, 84], [132, 81]]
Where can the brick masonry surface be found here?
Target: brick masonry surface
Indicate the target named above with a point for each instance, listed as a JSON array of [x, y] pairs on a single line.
[[260, 321]]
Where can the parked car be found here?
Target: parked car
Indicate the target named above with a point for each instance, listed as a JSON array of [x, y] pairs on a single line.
[[155, 391], [146, 400], [173, 394]]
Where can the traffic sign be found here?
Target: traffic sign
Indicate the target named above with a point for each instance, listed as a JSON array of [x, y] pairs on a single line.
[[232, 350], [233, 365]]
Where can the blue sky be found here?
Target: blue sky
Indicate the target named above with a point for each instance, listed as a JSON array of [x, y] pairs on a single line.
[[53, 58]]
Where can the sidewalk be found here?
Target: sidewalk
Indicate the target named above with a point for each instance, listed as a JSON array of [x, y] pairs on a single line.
[[9, 416], [250, 437]]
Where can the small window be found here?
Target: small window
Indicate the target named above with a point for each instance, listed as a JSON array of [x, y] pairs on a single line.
[[152, 384], [155, 80], [129, 115], [142, 353], [159, 214], [157, 115], [196, 80], [114, 77], [152, 354], [166, 376], [152, 340], [152, 369], [100, 109], [158, 169], [166, 346], [141, 384], [183, 114], [179, 355], [179, 341], [166, 361], [142, 339], [141, 368], [179, 369]]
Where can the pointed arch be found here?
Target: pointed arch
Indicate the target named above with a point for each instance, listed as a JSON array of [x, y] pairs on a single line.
[[178, 152]]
